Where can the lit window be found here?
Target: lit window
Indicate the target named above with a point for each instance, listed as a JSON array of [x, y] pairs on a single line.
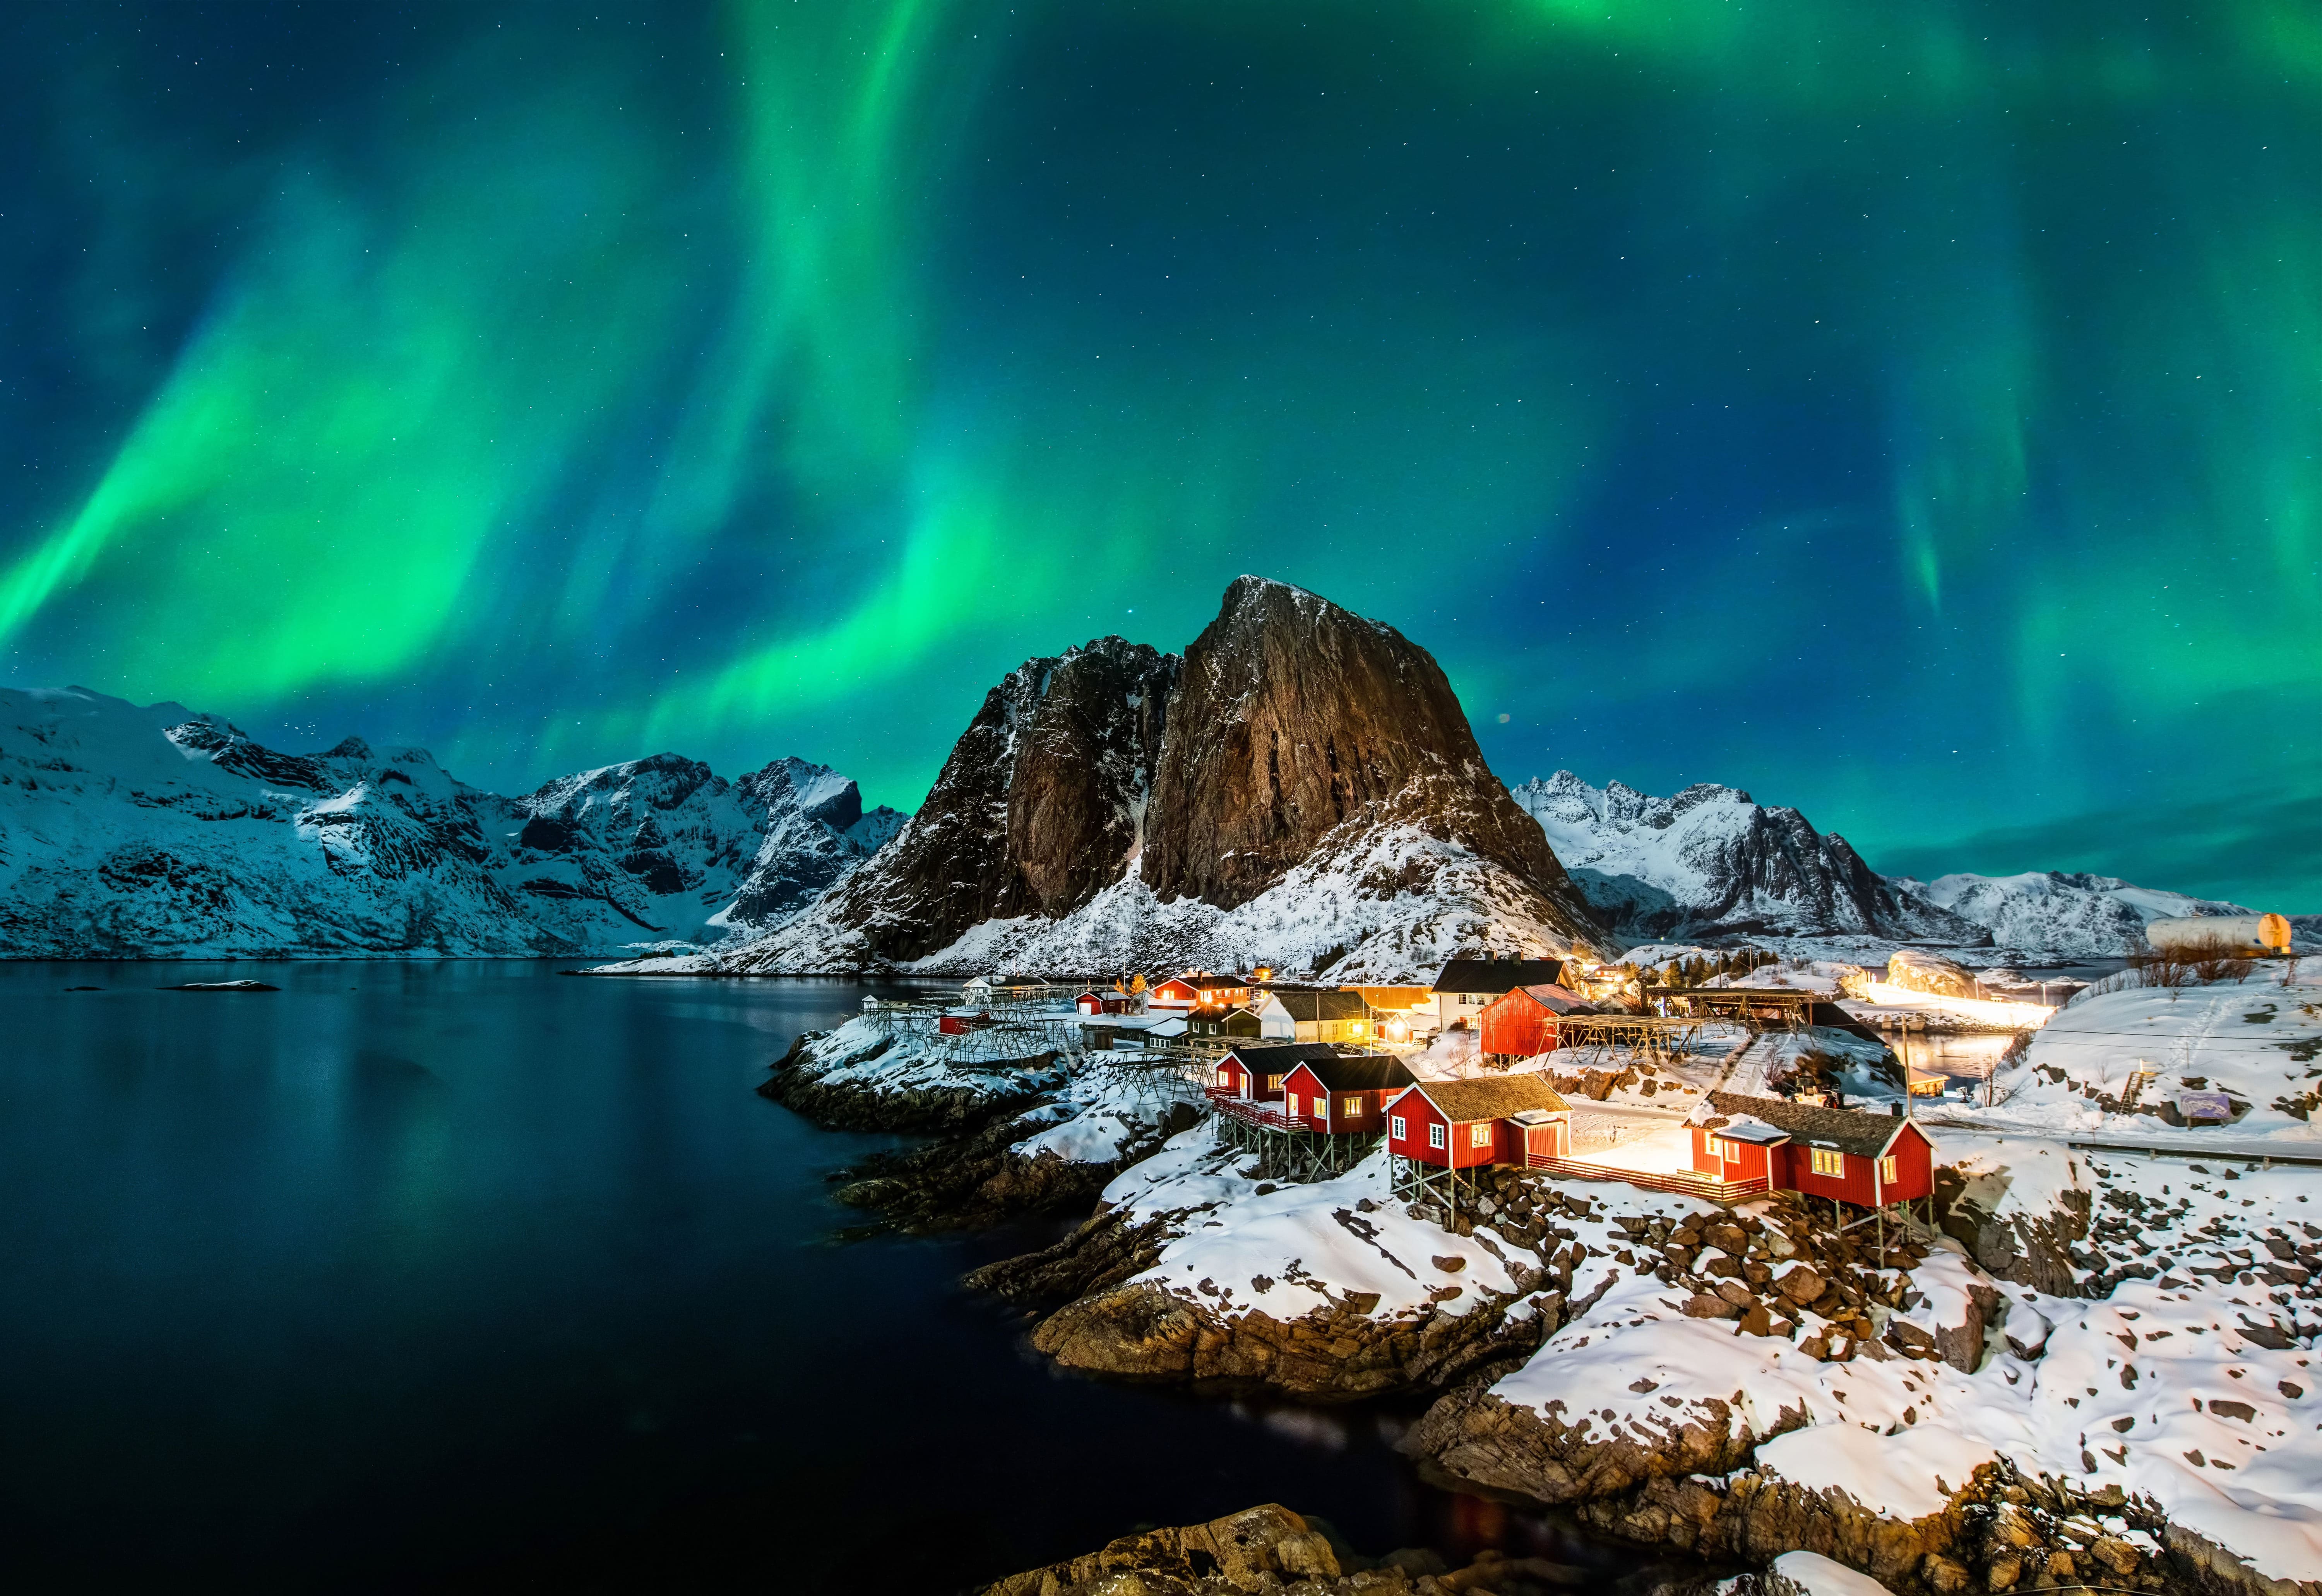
[[1353, 1105], [1479, 1135], [1226, 1079], [1274, 1083], [1435, 1136], [1888, 1169], [1829, 1160], [1717, 1147], [1296, 1106], [1397, 1128]]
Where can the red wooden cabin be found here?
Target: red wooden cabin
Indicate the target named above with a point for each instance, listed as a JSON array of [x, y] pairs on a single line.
[[1462, 1124], [1345, 1094], [1088, 1003], [1522, 1022], [1198, 990], [960, 1025], [1869, 1160], [1256, 1074]]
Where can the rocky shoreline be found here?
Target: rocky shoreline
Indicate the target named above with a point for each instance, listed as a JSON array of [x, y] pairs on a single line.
[[1531, 1261]]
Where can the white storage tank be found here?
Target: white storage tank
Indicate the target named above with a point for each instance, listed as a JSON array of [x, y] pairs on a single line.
[[2240, 934]]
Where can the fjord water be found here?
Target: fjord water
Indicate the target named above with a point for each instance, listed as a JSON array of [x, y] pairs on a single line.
[[469, 1275]]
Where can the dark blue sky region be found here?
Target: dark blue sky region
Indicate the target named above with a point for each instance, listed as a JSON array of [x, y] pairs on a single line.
[[1907, 413]]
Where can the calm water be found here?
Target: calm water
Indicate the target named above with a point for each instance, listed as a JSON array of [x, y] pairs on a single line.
[[465, 1275]]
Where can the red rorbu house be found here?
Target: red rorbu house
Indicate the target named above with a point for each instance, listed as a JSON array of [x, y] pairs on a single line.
[[1522, 1023], [1305, 1104], [960, 1025], [1198, 989], [1437, 1128], [1869, 1160], [1093, 1002]]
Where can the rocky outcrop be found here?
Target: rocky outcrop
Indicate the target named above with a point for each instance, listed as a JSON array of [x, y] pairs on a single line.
[[1919, 970], [802, 1083], [1040, 804], [1338, 1352], [963, 1183], [1292, 716], [2029, 1249], [1712, 862], [1271, 1548]]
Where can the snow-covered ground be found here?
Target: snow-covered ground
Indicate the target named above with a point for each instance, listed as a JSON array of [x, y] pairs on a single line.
[[2116, 1062]]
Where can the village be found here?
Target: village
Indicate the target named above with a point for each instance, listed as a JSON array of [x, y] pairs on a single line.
[[1696, 1077], [1706, 1231]]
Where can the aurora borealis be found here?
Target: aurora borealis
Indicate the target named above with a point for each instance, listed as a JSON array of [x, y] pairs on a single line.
[[1912, 413]]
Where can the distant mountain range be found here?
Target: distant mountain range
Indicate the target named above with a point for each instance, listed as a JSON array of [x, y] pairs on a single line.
[[1713, 864], [1300, 788], [160, 832]]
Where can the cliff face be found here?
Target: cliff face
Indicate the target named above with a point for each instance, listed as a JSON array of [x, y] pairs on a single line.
[[1292, 716], [1040, 805], [1300, 788]]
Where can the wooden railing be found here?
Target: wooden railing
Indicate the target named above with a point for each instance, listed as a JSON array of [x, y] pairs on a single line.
[[1272, 1115], [1678, 1181]]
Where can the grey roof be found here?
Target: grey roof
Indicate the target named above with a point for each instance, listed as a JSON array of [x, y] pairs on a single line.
[[1279, 1058], [1498, 975], [1495, 1097], [1309, 1004], [1850, 1130]]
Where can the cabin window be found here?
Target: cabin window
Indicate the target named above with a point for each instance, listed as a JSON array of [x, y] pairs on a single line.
[[1717, 1147], [1226, 1078], [1353, 1105], [1479, 1135], [1829, 1160], [1274, 1083], [1397, 1128], [1889, 1170], [1435, 1136]]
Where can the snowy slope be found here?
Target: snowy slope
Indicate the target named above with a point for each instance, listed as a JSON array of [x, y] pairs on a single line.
[[156, 831], [2049, 911], [1712, 862], [1380, 900]]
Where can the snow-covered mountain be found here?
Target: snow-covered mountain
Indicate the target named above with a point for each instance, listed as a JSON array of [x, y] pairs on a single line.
[[156, 831], [1300, 788], [1711, 862], [2051, 912]]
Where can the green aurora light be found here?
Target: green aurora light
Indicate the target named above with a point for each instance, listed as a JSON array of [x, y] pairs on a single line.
[[1912, 414]]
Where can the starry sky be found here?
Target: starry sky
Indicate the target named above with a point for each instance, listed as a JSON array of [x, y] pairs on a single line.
[[1909, 412]]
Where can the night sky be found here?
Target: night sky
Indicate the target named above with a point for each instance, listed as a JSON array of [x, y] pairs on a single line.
[[1909, 412]]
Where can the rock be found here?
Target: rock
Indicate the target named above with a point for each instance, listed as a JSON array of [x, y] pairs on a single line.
[[1290, 715], [1701, 1305], [1141, 1331], [1736, 1294], [1800, 1284], [1919, 970]]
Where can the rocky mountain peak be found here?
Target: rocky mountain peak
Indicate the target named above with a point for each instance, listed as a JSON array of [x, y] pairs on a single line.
[[1293, 715], [1040, 806]]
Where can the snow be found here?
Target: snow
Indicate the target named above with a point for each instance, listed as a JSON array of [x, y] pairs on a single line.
[[1815, 1575], [1907, 1475], [156, 831], [1327, 915], [2052, 912], [2257, 1039], [1287, 1249]]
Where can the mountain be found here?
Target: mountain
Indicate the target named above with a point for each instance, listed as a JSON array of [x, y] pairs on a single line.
[[1300, 788], [1713, 863], [2053, 912], [156, 831]]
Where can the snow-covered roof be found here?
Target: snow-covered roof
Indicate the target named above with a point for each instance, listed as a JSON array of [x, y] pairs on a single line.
[[1493, 1098], [1755, 1132]]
